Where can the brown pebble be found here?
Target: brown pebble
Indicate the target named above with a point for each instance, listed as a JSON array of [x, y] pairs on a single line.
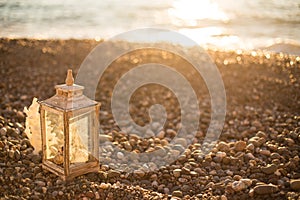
[[177, 193], [295, 184], [265, 189], [240, 145]]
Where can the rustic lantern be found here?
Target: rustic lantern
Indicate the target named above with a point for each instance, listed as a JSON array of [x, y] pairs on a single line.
[[69, 126]]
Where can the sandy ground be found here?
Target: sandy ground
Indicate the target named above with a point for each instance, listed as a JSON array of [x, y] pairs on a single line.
[[257, 155]]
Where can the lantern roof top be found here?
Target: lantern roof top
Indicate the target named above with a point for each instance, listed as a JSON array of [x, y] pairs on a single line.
[[69, 96]]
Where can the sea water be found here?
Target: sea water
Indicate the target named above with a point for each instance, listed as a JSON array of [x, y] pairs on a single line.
[[226, 24]]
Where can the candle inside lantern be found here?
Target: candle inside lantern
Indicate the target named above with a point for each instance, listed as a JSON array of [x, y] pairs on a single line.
[[79, 139]]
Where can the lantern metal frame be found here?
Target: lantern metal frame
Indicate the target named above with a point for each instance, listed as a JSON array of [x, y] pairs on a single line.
[[70, 102]]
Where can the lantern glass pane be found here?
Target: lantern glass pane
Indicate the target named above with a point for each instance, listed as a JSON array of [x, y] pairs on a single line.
[[54, 137], [80, 138]]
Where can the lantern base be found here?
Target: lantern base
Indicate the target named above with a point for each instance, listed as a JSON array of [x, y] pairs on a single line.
[[68, 175]]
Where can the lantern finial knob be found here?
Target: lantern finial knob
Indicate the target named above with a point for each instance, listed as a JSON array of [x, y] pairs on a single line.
[[69, 79]]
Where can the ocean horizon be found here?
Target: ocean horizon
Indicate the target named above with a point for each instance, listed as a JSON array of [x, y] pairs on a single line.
[[229, 24]]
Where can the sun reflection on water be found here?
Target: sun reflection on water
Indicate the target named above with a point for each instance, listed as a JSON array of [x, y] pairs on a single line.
[[190, 12]]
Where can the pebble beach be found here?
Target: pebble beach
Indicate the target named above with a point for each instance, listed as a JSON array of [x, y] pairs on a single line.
[[256, 156]]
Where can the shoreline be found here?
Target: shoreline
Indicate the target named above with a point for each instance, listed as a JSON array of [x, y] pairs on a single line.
[[287, 47], [256, 156]]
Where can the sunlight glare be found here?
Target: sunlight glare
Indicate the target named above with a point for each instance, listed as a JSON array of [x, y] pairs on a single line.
[[189, 12]]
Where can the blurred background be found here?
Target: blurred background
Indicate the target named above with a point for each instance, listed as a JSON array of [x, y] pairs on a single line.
[[225, 24]]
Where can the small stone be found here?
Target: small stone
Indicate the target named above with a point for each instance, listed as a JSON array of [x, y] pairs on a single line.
[[182, 180], [113, 174], [250, 147], [104, 138], [181, 141], [3, 131], [251, 193], [40, 183], [221, 154], [265, 152], [127, 146], [36, 158], [104, 186], [102, 175], [97, 196], [185, 170], [54, 193], [17, 155], [11, 153], [171, 133], [120, 155], [26, 175], [60, 193], [265, 189], [166, 190], [185, 188], [177, 172], [213, 172], [223, 197], [222, 146], [248, 182], [240, 145], [90, 194], [257, 141], [269, 169], [238, 186], [25, 190], [139, 173], [261, 134], [161, 135], [154, 184], [44, 189], [295, 184], [177, 193]]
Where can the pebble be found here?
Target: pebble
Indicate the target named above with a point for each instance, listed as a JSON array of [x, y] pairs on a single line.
[[177, 193], [161, 135], [104, 186], [181, 141], [240, 145], [113, 173], [295, 184], [44, 189], [269, 169], [241, 184], [11, 153], [90, 194], [139, 173], [40, 183], [17, 155], [120, 155], [221, 154], [3, 131], [265, 152], [222, 146], [265, 189], [238, 186], [177, 173], [97, 196]]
